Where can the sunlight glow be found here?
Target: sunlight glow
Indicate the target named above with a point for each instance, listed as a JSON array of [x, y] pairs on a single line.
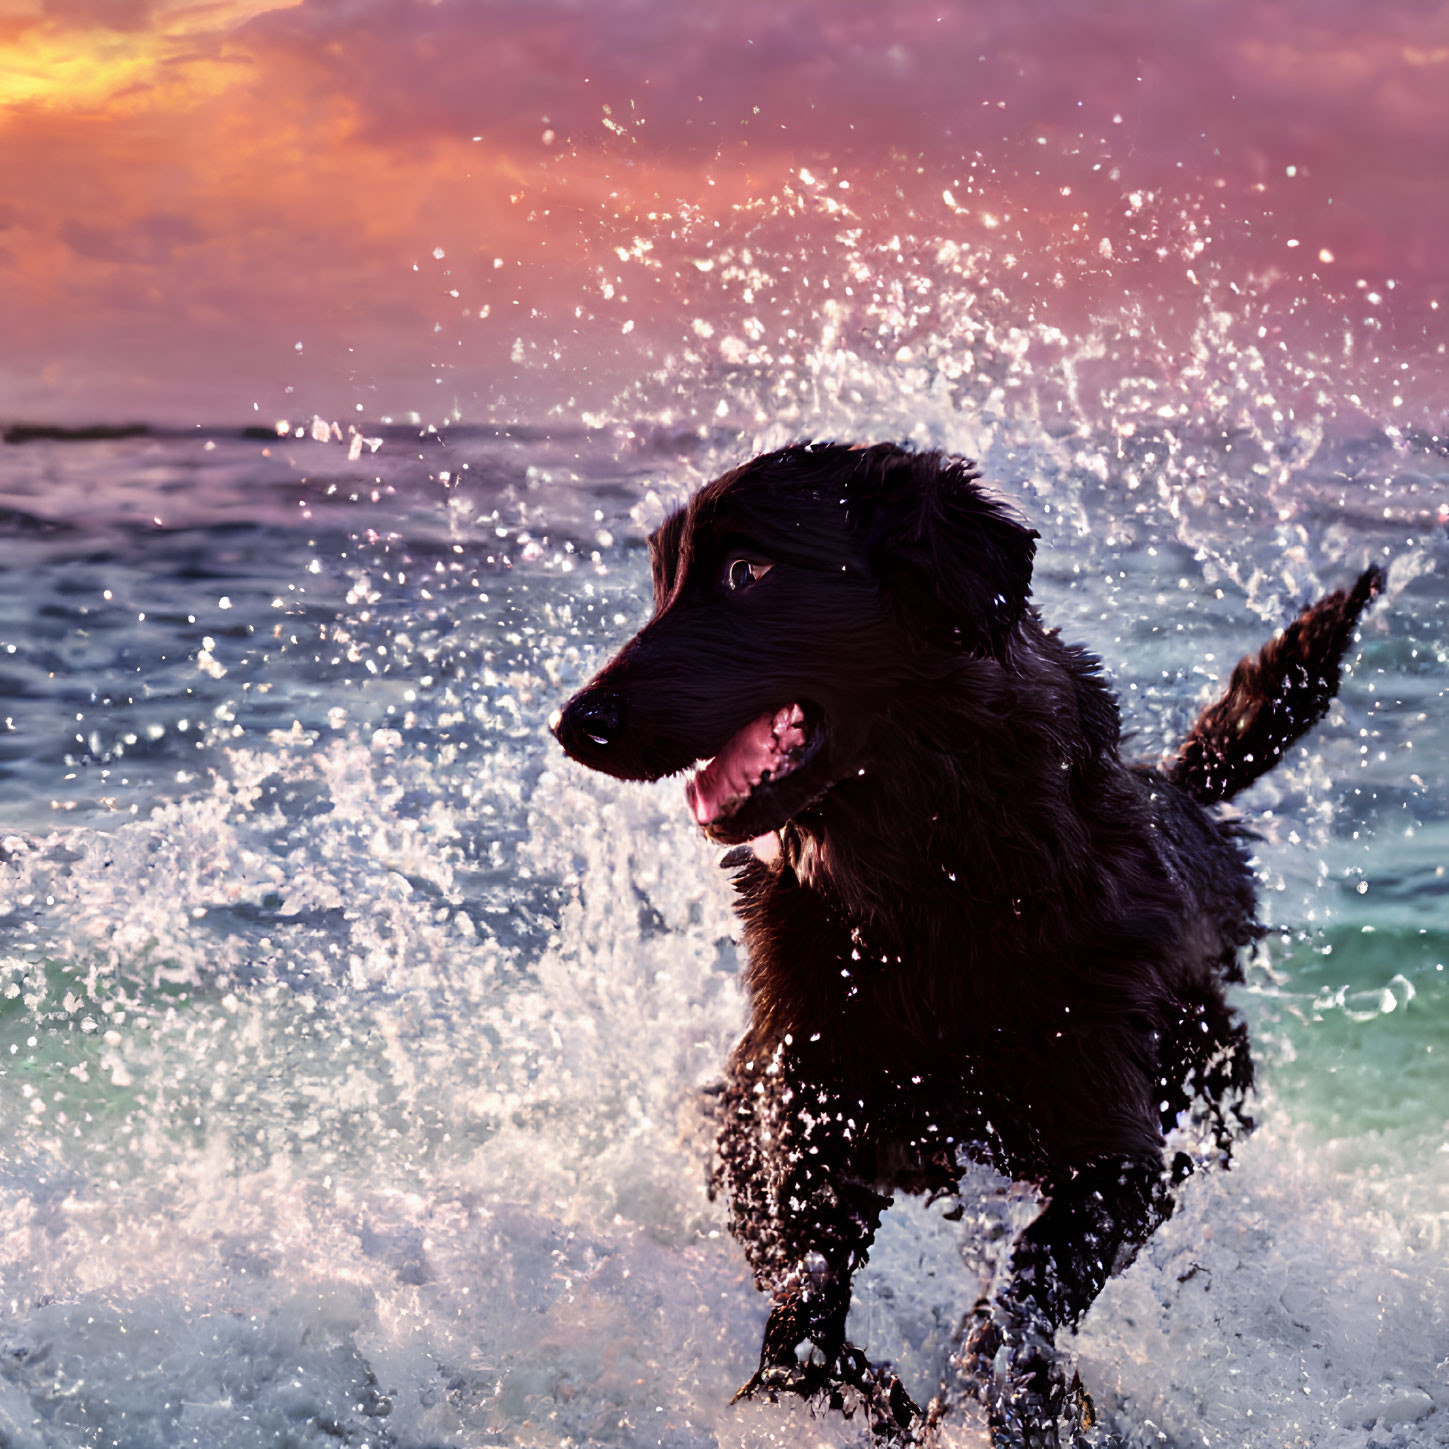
[[49, 63]]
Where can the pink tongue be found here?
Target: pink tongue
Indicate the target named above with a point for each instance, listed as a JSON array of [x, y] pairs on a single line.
[[736, 770]]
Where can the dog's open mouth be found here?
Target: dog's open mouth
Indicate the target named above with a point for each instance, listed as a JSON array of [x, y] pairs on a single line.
[[752, 762]]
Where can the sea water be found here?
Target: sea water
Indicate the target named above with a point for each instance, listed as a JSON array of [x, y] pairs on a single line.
[[352, 1039]]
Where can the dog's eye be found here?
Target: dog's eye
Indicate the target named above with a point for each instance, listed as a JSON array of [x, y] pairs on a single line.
[[740, 573]]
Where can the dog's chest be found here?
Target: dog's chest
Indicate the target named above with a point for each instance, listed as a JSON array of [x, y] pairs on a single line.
[[817, 972]]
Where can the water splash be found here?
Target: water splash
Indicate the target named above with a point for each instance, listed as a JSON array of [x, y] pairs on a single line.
[[355, 1038]]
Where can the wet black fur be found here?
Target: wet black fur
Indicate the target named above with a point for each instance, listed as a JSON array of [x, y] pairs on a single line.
[[985, 935]]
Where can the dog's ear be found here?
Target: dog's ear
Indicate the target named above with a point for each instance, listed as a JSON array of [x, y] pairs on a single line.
[[664, 555], [955, 558]]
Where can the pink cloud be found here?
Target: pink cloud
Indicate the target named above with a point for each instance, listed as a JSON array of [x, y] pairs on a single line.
[[1176, 97], [859, 77], [150, 240], [282, 179]]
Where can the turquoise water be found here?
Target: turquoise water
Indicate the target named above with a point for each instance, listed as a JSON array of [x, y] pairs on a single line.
[[351, 1036]]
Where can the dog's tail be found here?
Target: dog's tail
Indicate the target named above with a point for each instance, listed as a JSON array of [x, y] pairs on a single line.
[[1273, 698]]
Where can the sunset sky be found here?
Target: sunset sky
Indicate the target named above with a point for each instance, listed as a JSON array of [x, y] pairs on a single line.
[[214, 211]]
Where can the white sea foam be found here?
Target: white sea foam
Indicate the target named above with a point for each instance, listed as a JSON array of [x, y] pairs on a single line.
[[367, 1161]]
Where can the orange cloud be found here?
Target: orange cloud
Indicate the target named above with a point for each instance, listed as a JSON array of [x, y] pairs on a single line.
[[76, 55]]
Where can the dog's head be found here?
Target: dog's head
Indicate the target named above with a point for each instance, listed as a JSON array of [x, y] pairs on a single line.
[[797, 600]]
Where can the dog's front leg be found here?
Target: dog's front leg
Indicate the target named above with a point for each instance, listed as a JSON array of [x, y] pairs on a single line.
[[790, 1157], [1093, 1226], [805, 1350]]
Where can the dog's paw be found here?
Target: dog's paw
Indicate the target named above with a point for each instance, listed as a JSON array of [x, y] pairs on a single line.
[[800, 1354], [812, 1375], [1013, 1369], [894, 1417], [843, 1378]]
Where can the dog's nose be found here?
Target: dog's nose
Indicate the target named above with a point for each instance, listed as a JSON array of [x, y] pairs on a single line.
[[590, 722]]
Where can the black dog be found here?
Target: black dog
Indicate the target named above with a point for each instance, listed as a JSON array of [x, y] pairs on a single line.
[[973, 930]]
